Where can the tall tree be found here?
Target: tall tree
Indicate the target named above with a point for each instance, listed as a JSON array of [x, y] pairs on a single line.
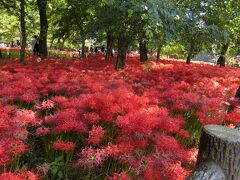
[[196, 31], [23, 32], [110, 43], [42, 7], [77, 21], [138, 20]]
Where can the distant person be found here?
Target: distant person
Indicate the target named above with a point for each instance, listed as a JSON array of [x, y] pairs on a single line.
[[103, 49], [112, 52], [18, 43], [96, 50], [35, 45], [91, 49], [12, 44]]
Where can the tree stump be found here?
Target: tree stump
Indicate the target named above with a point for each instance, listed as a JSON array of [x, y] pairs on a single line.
[[219, 154]]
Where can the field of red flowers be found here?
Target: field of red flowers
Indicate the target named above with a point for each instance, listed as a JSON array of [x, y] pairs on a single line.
[[80, 119]]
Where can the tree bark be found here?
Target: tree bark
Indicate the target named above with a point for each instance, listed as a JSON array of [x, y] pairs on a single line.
[[58, 43], [42, 7], [23, 33], [218, 156], [190, 54], [143, 50], [122, 53], [222, 59], [207, 170], [83, 48], [51, 44], [62, 44], [159, 52], [225, 49], [109, 45]]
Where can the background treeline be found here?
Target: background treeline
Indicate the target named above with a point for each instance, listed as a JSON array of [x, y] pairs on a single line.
[[181, 27]]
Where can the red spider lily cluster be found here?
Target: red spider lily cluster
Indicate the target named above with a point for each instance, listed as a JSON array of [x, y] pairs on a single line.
[[63, 146], [19, 176], [13, 124], [97, 118]]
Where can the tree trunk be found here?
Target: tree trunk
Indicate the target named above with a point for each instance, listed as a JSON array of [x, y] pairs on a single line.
[[207, 170], [42, 7], [1, 56], [143, 50], [23, 33], [109, 45], [218, 156], [159, 52], [160, 47], [224, 49], [51, 44], [83, 48], [222, 59], [190, 54], [122, 53], [62, 44]]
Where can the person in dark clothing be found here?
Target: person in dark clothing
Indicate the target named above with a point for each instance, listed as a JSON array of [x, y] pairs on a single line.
[[18, 43], [96, 50], [103, 49], [35, 46], [12, 44], [91, 49]]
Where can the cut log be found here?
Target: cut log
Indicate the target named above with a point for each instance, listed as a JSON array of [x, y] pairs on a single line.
[[219, 154], [207, 170]]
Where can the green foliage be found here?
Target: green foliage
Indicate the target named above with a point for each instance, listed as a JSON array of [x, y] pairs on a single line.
[[194, 127], [9, 27], [23, 105], [174, 49], [195, 24], [13, 54]]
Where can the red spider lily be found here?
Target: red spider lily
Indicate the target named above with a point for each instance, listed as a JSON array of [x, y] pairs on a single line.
[[95, 135], [132, 115], [90, 158], [46, 105], [42, 131], [19, 176], [64, 146]]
